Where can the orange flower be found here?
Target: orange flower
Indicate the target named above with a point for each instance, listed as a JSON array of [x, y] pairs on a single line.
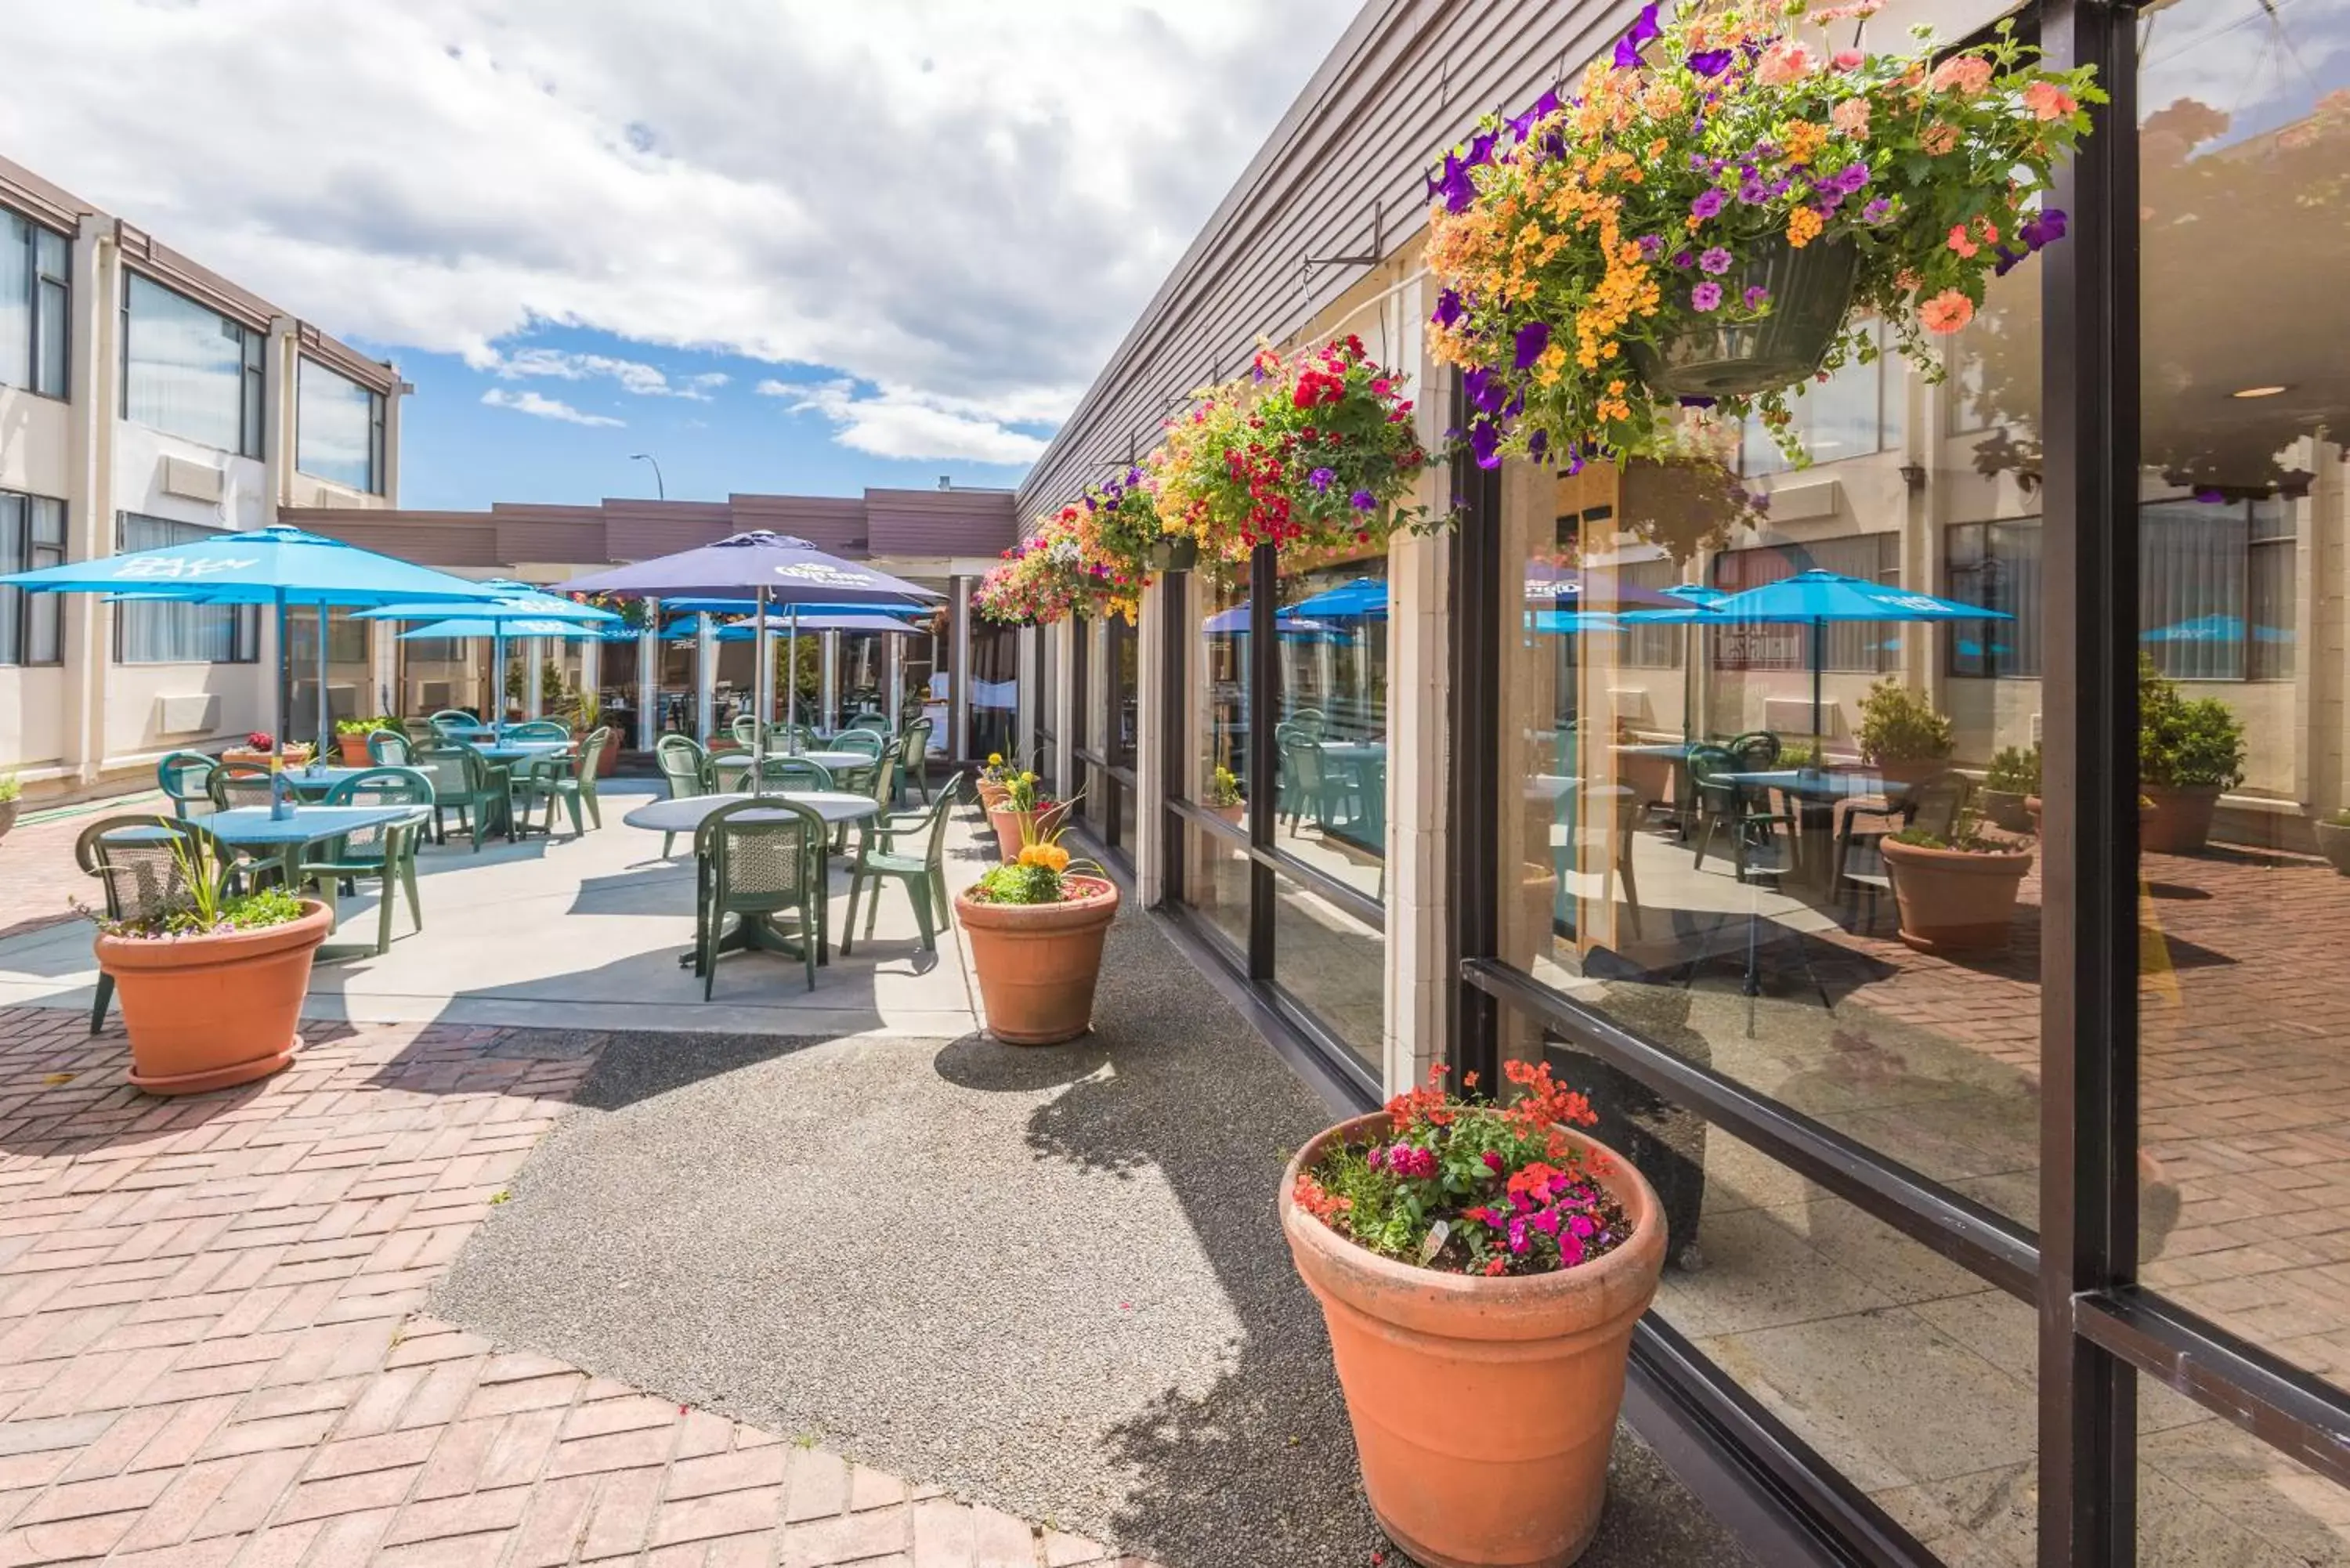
[[1851, 117], [1947, 312], [1967, 75], [1939, 138], [1804, 226], [2047, 101], [1960, 243]]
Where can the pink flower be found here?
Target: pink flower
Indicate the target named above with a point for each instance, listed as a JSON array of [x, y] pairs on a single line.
[[1947, 312], [1851, 117], [1847, 60], [1784, 63], [2047, 101], [1960, 243], [1967, 75]]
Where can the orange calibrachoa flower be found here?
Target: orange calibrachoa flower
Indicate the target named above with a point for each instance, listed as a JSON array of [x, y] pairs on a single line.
[[1656, 202]]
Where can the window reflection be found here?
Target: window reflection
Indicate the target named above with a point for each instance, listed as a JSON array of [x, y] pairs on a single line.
[[1330, 635]]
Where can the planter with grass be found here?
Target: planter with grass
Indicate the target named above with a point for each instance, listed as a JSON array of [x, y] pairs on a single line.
[[1035, 926], [1025, 816], [2333, 839], [261, 746], [2012, 780], [12, 793], [1479, 1271], [351, 736], [1956, 893], [1224, 796], [1901, 736], [211, 987], [2190, 753]]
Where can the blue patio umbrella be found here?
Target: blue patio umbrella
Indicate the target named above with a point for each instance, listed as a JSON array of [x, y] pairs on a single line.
[[828, 620], [511, 606], [278, 565], [1818, 600], [772, 569], [476, 627]]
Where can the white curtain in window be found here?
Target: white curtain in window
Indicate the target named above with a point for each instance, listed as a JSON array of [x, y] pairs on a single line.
[[165, 633], [2191, 589], [16, 300], [335, 423], [183, 367]]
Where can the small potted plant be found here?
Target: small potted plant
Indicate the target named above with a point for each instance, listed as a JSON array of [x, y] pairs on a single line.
[[2332, 834], [587, 718], [352, 737], [262, 747], [1035, 926], [1956, 892], [2189, 751], [994, 781], [1224, 796], [1480, 1270], [1024, 816], [12, 792], [2012, 779], [1901, 736], [211, 987]]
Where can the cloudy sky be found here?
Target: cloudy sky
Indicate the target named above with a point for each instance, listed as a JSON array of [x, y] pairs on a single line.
[[781, 244]]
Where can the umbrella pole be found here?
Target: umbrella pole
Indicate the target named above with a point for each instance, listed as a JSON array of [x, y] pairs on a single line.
[[759, 697], [319, 752], [277, 786], [497, 680], [1819, 662], [792, 689]]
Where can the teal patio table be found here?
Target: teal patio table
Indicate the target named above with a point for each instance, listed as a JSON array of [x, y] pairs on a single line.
[[287, 842]]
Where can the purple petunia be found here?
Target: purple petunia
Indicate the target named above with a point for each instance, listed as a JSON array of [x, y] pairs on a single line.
[[1852, 177], [1455, 185], [1709, 201], [1481, 390], [1715, 260], [2043, 228], [1697, 402], [1877, 211], [1757, 296], [1753, 192], [1362, 500], [1644, 29], [1448, 307], [1684, 258], [1537, 444], [1532, 339], [1321, 479], [1711, 62], [1485, 442], [1705, 296], [1652, 246]]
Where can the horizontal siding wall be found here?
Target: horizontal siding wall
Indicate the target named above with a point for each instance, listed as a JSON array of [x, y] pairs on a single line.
[[1408, 79]]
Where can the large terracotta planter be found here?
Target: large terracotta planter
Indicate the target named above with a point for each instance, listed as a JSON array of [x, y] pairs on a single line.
[[1236, 814], [1811, 294], [1910, 771], [295, 756], [2332, 841], [204, 1012], [1009, 825], [1037, 963], [1952, 900], [2005, 809], [9, 815], [992, 795], [2181, 822], [1484, 1410], [353, 747]]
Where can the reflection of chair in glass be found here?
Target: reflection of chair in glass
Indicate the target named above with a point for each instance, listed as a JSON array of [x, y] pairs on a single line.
[[1601, 817], [1309, 783], [1935, 805], [1757, 750], [1721, 799]]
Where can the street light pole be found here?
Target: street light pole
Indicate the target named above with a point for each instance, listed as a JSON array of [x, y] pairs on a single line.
[[660, 488]]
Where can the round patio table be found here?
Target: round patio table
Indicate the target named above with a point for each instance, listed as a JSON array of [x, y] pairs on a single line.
[[685, 814]]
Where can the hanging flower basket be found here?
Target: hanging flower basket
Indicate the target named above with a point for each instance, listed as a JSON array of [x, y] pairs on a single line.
[[1175, 553], [1703, 221], [1711, 357]]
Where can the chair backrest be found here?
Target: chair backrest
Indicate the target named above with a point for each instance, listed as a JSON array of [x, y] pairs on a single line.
[[729, 773], [239, 783], [746, 728], [882, 781], [934, 846], [1937, 803], [380, 786], [914, 743], [798, 773], [454, 771], [591, 753], [765, 864], [1313, 721], [680, 759], [390, 749], [1757, 750], [1304, 755], [799, 733], [539, 730], [869, 742], [1706, 763], [146, 880], [454, 719], [185, 777]]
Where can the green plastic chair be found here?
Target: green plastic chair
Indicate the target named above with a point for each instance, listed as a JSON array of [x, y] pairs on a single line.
[[144, 879], [728, 773], [864, 742], [1721, 800], [758, 869], [923, 872], [914, 758], [234, 784], [390, 749], [386, 854], [539, 730], [185, 777], [682, 761], [880, 782], [746, 728], [453, 722], [467, 783], [798, 773], [569, 781]]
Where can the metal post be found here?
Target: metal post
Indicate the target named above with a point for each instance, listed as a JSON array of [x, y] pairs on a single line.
[[958, 735], [648, 678], [326, 716], [1263, 760], [827, 680], [893, 680], [705, 675]]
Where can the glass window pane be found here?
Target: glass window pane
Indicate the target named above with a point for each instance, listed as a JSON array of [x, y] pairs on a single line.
[[1216, 882], [1216, 685], [50, 375], [2208, 1492], [334, 427], [183, 367], [994, 690], [165, 633], [14, 557], [2243, 1005], [16, 300], [1334, 963], [1330, 641]]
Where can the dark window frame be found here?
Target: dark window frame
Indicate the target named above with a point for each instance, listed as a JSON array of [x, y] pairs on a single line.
[[43, 285], [32, 553]]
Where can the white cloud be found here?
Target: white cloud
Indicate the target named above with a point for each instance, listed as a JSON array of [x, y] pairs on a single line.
[[529, 402], [898, 422], [633, 375], [967, 201]]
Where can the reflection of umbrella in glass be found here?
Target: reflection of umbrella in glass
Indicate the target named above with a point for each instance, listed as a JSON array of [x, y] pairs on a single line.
[[1818, 600], [2215, 628], [1365, 598], [1567, 587], [1235, 620], [277, 565], [514, 605], [774, 568], [1571, 623]]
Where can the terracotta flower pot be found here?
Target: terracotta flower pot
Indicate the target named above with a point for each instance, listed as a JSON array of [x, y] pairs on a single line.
[[353, 748], [1909, 770], [1482, 1408], [1009, 826], [2005, 809], [9, 815], [992, 795], [295, 756], [1954, 900], [1037, 963], [204, 1012], [2332, 841], [1236, 814], [2181, 822]]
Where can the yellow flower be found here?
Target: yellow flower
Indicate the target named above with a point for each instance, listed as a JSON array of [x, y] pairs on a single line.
[[1051, 856], [996, 759], [1028, 778]]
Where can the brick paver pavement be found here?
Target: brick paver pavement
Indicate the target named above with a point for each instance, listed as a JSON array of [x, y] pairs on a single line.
[[212, 1352], [39, 878]]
